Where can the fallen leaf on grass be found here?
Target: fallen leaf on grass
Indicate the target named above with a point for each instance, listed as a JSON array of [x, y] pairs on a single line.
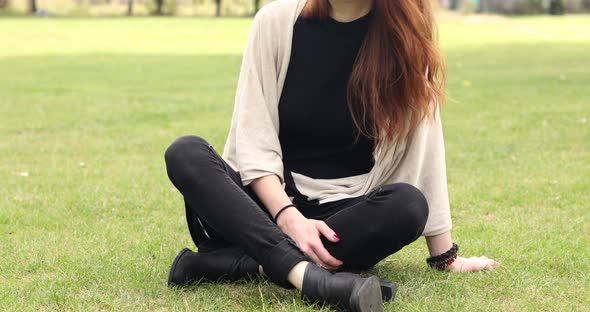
[[490, 216]]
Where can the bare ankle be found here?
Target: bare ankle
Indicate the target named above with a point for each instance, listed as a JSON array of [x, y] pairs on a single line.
[[296, 274]]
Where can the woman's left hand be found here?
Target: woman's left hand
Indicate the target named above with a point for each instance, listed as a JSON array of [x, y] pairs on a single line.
[[473, 264]]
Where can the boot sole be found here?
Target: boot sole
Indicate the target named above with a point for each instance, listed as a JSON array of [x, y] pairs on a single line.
[[368, 297], [171, 282]]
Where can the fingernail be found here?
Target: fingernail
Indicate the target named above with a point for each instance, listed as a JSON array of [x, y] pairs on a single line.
[[336, 237]]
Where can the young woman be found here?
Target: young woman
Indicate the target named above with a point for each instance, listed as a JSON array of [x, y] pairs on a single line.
[[334, 159]]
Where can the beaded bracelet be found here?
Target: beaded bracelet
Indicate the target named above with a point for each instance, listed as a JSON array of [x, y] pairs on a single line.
[[441, 262], [281, 211]]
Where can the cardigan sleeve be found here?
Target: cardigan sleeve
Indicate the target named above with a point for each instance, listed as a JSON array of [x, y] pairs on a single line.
[[257, 146], [423, 165]]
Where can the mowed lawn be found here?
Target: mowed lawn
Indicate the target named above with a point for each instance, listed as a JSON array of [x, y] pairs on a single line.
[[89, 220]]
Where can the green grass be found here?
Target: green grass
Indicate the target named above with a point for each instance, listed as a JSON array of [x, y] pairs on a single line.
[[87, 108]]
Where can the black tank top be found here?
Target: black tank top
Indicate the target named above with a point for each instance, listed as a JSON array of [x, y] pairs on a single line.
[[317, 131]]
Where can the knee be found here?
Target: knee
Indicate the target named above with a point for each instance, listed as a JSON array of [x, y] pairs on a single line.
[[185, 151], [406, 205], [414, 205]]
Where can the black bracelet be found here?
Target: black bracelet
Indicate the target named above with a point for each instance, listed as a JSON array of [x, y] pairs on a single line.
[[281, 211], [441, 262]]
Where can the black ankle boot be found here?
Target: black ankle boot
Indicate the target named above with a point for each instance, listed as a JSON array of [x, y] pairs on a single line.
[[347, 291], [388, 290], [228, 264]]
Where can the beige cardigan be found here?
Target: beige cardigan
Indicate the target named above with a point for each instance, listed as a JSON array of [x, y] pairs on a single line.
[[253, 146]]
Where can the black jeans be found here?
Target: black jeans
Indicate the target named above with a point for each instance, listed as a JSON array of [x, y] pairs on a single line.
[[222, 213]]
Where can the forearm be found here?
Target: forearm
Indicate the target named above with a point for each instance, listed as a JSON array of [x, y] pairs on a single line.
[[439, 244], [273, 196], [271, 193]]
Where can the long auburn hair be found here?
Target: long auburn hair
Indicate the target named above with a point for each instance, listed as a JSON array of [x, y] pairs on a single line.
[[399, 75]]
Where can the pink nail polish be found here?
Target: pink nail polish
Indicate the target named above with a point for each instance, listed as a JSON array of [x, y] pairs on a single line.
[[336, 237]]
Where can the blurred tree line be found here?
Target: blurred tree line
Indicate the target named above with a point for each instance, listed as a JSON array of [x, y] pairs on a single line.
[[554, 7], [250, 7], [134, 7]]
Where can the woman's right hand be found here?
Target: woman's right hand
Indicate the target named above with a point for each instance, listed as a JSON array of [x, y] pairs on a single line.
[[306, 234]]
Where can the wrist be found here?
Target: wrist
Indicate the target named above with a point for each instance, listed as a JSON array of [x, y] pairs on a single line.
[[439, 244], [285, 208], [288, 217], [453, 266], [444, 261]]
